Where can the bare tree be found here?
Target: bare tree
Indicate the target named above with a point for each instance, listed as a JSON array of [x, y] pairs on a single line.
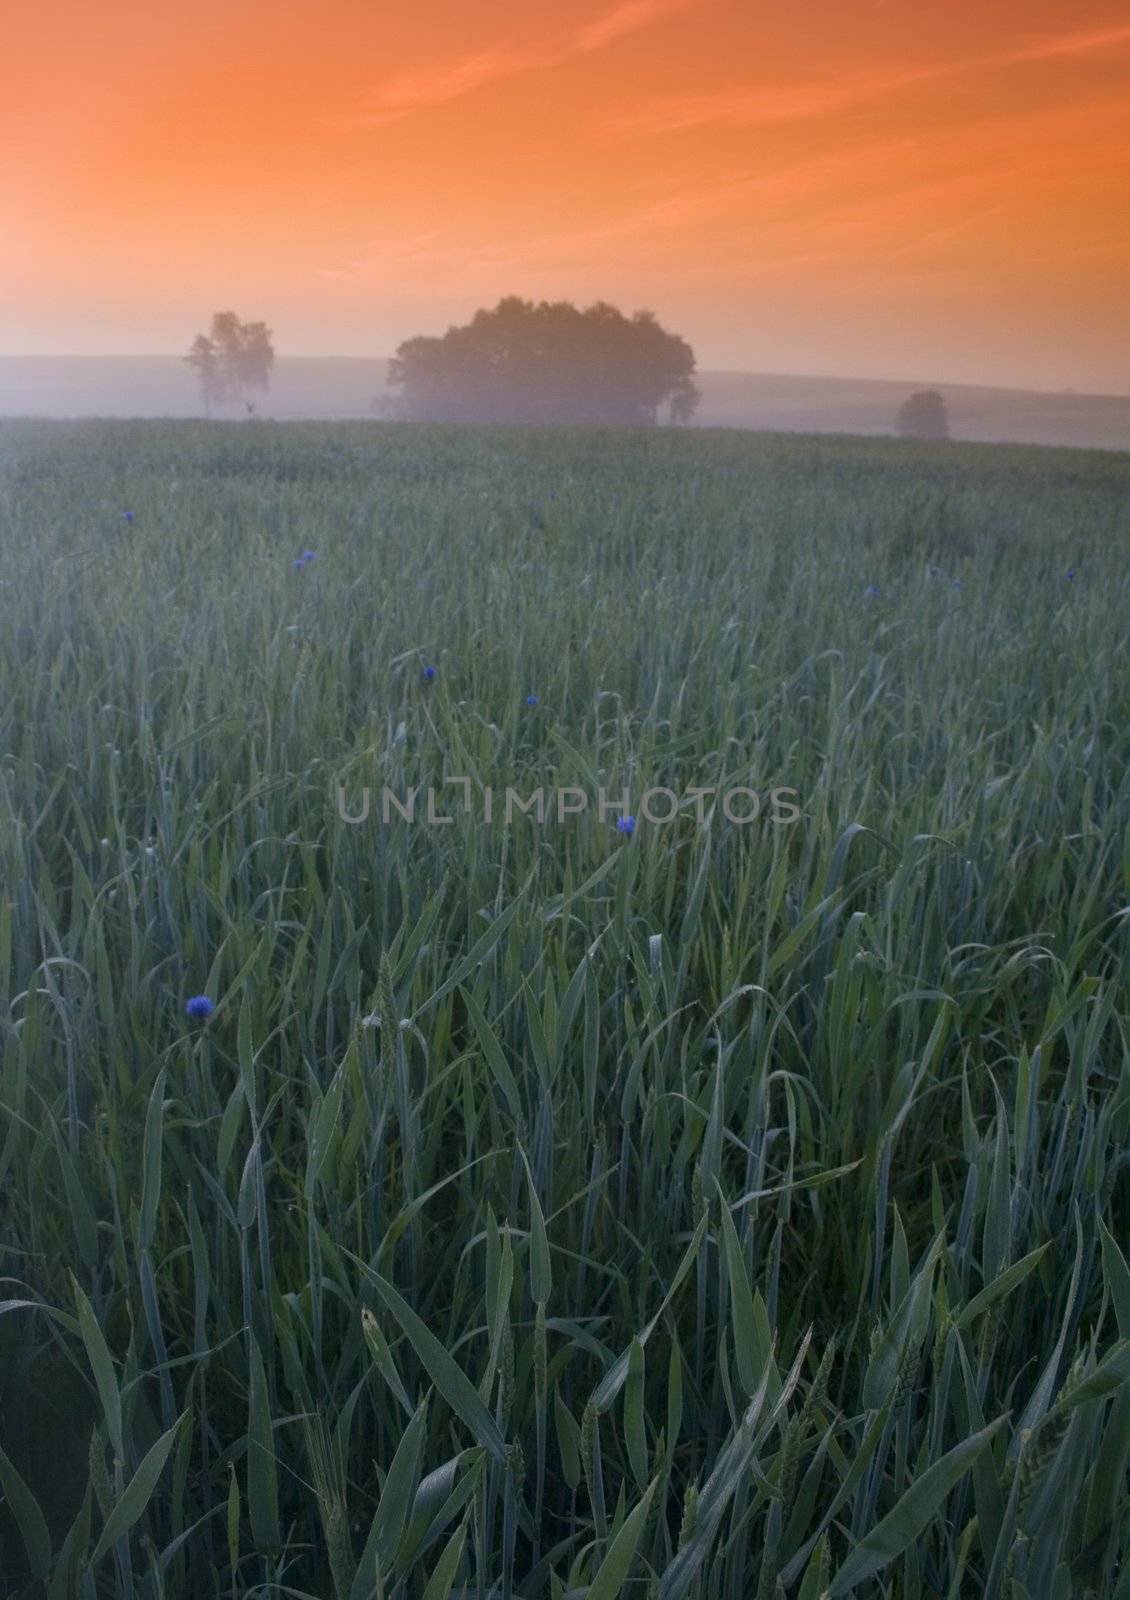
[[232, 360]]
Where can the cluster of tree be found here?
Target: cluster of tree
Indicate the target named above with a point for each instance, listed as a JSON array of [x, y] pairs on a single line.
[[548, 362], [522, 362], [232, 361], [923, 416]]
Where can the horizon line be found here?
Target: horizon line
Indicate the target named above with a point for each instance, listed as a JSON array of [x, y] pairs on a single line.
[[736, 372]]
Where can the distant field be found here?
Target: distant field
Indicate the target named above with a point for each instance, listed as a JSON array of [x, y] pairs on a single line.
[[341, 388], [717, 1209]]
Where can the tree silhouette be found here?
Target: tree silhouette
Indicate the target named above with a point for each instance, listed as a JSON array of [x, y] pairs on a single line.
[[547, 362], [923, 416], [232, 360]]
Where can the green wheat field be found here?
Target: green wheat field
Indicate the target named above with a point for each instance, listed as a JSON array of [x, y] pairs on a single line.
[[711, 1211]]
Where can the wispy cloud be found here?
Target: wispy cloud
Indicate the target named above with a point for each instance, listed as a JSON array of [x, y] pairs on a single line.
[[413, 90], [873, 206], [747, 106], [400, 96], [686, 206], [628, 17], [750, 105], [1092, 41]]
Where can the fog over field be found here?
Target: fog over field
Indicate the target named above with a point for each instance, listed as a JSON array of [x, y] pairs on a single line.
[[324, 388]]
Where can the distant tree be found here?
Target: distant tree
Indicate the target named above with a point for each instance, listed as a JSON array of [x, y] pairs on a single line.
[[204, 358], [549, 362], [923, 416], [231, 361]]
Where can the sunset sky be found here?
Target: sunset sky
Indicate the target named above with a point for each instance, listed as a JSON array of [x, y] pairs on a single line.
[[930, 190]]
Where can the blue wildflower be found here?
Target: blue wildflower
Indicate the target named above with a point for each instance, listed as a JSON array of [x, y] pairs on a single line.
[[127, 516], [1071, 574], [429, 673], [308, 555], [298, 564], [531, 699], [872, 591], [625, 824], [200, 1007]]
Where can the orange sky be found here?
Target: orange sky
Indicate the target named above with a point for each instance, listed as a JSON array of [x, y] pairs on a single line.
[[874, 187]]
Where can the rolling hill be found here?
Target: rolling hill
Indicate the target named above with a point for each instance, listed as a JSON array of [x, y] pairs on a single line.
[[335, 386]]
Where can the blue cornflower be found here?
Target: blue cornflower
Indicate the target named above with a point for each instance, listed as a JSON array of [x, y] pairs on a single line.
[[625, 824], [531, 699], [200, 1006], [1071, 574], [872, 591], [127, 516], [308, 555], [429, 673], [298, 564]]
